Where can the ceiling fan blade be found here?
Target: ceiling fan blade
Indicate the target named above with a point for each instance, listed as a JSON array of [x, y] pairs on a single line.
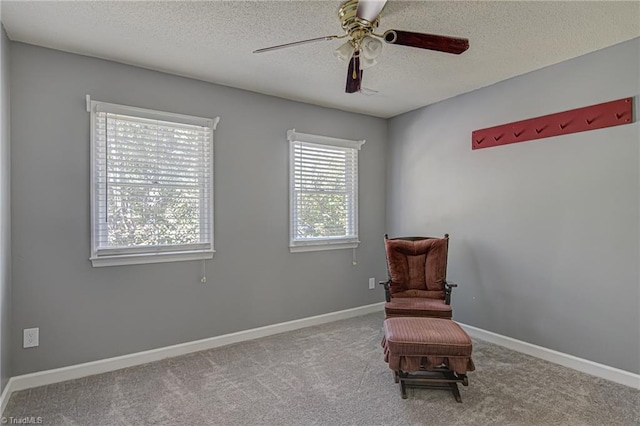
[[354, 75], [370, 9], [427, 41], [296, 43]]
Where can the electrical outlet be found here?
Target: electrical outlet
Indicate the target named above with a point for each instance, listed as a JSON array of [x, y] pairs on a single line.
[[30, 338], [372, 283]]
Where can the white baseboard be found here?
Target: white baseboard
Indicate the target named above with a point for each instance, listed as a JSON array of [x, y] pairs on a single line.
[[599, 370], [71, 372], [6, 394], [47, 377]]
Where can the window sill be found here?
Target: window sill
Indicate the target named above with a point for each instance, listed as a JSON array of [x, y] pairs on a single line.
[[323, 246], [142, 258]]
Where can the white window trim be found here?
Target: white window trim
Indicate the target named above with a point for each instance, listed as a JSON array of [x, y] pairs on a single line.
[[322, 245], [116, 259], [142, 258], [336, 243]]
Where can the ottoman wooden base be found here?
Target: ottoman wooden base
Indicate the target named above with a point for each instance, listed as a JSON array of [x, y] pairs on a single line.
[[445, 380], [427, 352]]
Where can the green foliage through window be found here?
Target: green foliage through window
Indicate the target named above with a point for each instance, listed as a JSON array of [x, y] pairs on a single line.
[[324, 185], [153, 183]]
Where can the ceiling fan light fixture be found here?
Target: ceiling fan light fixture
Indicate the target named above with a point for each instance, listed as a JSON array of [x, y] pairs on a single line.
[[371, 47], [344, 52], [366, 63]]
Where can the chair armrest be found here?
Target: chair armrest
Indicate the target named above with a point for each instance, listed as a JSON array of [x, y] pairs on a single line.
[[387, 289], [448, 286]]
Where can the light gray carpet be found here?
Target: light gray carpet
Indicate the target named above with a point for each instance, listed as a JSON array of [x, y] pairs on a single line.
[[331, 374]]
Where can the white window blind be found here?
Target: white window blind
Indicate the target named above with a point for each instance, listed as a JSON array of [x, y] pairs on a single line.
[[323, 192], [152, 186]]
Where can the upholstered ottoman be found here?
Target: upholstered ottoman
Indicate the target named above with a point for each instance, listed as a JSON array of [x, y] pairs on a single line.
[[427, 352]]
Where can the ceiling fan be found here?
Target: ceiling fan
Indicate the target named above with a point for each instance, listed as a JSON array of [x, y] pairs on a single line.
[[359, 20]]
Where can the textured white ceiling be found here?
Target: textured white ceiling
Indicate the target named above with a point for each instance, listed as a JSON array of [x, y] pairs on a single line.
[[213, 41]]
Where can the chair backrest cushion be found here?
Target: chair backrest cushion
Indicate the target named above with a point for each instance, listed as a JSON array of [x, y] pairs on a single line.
[[417, 266]]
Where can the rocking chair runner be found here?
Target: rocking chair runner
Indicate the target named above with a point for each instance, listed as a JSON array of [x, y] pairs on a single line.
[[417, 285]]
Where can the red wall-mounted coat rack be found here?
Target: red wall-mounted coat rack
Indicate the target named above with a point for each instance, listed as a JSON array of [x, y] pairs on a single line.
[[608, 114]]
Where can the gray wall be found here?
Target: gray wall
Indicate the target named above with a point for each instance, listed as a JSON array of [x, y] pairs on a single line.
[[5, 212], [87, 313], [544, 234]]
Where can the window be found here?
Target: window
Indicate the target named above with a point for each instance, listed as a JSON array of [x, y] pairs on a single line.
[[151, 185], [323, 198]]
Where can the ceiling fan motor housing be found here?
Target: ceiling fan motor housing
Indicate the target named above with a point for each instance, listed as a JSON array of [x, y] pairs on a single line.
[[356, 28]]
